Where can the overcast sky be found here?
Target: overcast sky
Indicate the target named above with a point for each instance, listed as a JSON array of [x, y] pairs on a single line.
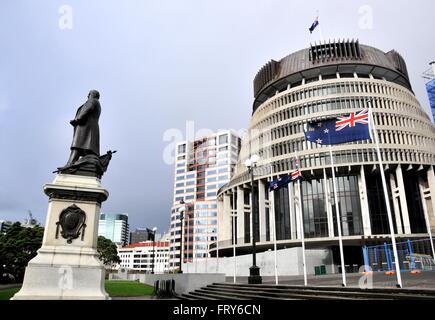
[[158, 64]]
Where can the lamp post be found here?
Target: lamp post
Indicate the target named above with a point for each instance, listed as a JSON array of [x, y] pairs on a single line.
[[154, 248], [182, 209], [254, 271]]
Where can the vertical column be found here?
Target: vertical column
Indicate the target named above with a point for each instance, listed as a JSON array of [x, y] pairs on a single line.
[[240, 214], [328, 203], [365, 213], [262, 210], [224, 220], [403, 202], [396, 204], [293, 225], [431, 193]]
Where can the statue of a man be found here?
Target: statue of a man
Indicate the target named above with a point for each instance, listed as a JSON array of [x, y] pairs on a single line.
[[86, 138]]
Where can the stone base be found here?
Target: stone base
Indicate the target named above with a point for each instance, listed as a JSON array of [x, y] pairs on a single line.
[[67, 264], [71, 275]]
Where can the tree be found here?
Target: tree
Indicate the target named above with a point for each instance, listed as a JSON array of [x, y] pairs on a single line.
[[17, 247], [107, 251]]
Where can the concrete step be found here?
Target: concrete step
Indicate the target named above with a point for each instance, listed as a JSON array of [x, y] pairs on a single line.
[[429, 292], [279, 295], [308, 293], [233, 295], [197, 296], [354, 293]]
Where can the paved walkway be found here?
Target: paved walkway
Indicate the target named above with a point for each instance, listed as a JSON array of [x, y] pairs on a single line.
[[7, 286], [424, 280]]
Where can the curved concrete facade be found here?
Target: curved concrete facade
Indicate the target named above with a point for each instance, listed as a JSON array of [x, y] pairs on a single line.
[[327, 87]]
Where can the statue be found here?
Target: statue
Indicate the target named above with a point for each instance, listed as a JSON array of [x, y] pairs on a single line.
[[67, 266], [86, 138], [85, 156]]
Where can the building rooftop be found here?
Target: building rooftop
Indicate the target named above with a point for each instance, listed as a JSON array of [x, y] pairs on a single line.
[[328, 58]]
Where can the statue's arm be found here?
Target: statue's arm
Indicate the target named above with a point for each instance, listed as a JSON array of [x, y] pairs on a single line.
[[84, 112]]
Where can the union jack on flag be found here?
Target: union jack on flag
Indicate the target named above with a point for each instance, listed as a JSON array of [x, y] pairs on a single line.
[[296, 175], [343, 129], [351, 120]]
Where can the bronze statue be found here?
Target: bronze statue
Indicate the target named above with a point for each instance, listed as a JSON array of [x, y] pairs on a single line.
[[85, 156], [86, 138]]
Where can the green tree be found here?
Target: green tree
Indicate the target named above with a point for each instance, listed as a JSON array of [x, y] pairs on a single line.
[[17, 247], [107, 251]]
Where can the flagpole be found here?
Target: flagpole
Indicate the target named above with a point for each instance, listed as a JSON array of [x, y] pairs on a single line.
[[386, 197], [272, 209], [217, 246], [320, 27], [338, 218], [301, 226], [301, 223], [234, 212]]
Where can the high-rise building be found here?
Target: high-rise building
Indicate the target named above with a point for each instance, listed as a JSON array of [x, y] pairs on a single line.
[[139, 235], [430, 87], [114, 227], [201, 168], [143, 234], [324, 81], [4, 226]]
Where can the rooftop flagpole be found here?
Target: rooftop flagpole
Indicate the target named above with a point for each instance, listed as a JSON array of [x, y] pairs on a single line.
[[320, 28], [386, 197]]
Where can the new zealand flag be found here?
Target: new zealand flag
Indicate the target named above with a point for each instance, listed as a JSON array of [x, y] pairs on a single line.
[[282, 182], [353, 127], [314, 25]]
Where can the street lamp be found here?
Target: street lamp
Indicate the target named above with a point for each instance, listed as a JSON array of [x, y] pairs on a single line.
[[181, 209], [254, 271], [154, 248]]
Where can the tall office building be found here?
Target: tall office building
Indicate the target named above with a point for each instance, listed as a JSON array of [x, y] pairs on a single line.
[[143, 234], [430, 87], [321, 82], [201, 168], [114, 227]]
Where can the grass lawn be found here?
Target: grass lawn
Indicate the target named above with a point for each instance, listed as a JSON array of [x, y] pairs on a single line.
[[119, 288], [6, 294], [113, 288]]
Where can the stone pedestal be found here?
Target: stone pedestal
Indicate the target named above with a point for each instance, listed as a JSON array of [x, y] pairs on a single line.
[[67, 264]]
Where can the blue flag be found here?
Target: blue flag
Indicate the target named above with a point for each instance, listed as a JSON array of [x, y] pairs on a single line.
[[314, 25], [353, 127]]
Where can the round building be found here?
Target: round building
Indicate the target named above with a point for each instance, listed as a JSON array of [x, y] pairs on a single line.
[[325, 81]]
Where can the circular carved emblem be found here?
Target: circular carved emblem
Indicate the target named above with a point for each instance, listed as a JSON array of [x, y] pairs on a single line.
[[72, 222]]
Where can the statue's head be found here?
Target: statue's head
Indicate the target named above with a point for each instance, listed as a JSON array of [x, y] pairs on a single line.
[[94, 94]]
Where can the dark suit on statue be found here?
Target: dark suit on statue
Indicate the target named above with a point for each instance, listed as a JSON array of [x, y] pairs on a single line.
[[86, 139], [87, 131]]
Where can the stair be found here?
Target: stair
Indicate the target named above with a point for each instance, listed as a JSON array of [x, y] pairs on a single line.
[[229, 291]]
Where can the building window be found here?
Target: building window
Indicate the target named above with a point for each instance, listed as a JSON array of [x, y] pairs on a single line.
[[182, 148], [314, 208], [223, 139], [282, 214], [349, 205]]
